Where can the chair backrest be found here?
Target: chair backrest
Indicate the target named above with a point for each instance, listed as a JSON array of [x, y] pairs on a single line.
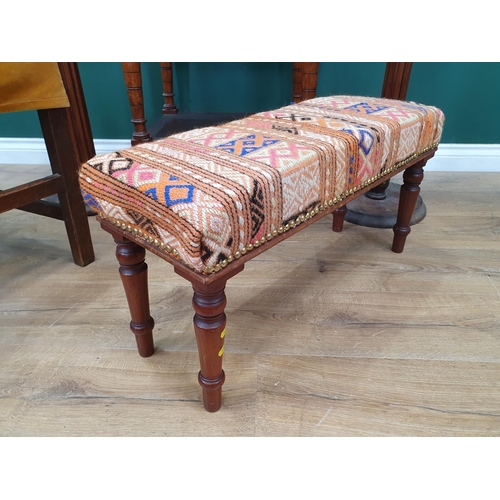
[[305, 76], [304, 85], [396, 80]]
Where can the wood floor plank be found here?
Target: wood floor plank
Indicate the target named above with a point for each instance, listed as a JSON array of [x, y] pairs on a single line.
[[104, 392], [325, 396]]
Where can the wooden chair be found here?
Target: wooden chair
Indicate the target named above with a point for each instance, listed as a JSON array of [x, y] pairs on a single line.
[[210, 199], [68, 137]]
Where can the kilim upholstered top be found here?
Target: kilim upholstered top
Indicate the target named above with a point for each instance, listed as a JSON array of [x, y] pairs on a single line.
[[208, 195]]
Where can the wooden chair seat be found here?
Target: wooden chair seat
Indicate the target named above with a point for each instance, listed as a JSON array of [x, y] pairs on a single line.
[[210, 199]]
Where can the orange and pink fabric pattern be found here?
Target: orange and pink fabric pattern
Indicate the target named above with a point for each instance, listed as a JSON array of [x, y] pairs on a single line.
[[210, 193]]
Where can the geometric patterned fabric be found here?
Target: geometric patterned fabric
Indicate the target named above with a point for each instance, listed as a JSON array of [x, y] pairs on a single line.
[[212, 193]]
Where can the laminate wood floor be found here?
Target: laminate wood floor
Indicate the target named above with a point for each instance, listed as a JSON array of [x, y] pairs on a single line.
[[328, 334]]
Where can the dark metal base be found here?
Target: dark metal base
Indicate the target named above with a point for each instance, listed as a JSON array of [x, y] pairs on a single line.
[[364, 211]]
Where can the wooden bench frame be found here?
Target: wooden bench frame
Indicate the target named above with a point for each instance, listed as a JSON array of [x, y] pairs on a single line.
[[209, 300]]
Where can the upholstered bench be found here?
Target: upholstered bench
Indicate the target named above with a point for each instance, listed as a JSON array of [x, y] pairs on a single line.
[[211, 199]]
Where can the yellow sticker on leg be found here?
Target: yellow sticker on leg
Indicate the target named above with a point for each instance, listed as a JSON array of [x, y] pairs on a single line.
[[221, 352], [223, 333]]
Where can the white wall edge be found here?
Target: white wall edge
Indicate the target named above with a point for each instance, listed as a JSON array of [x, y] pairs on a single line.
[[15, 151], [448, 158], [465, 158]]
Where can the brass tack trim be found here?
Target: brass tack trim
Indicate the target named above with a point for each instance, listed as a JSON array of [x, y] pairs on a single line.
[[322, 207], [275, 232]]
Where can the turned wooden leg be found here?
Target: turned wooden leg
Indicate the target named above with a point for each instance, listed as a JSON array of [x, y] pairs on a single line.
[[134, 275], [133, 82], [209, 302], [297, 83], [169, 107], [412, 178], [338, 219], [210, 328]]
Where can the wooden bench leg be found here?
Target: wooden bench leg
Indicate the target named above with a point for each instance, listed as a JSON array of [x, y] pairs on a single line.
[[209, 302], [210, 328], [134, 275], [338, 219], [410, 189]]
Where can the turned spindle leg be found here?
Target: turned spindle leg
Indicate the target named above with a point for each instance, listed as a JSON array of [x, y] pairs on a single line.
[[133, 82], [412, 178], [134, 275], [210, 328], [297, 83], [169, 107], [338, 219], [209, 302]]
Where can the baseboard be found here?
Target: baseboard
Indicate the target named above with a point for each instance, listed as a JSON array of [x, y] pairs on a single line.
[[14, 151], [449, 157], [466, 158]]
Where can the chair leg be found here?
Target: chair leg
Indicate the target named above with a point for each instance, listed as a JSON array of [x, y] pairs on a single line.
[[134, 275], [410, 189], [63, 155], [338, 219]]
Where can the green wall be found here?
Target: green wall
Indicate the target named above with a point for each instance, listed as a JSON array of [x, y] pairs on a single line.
[[466, 92]]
